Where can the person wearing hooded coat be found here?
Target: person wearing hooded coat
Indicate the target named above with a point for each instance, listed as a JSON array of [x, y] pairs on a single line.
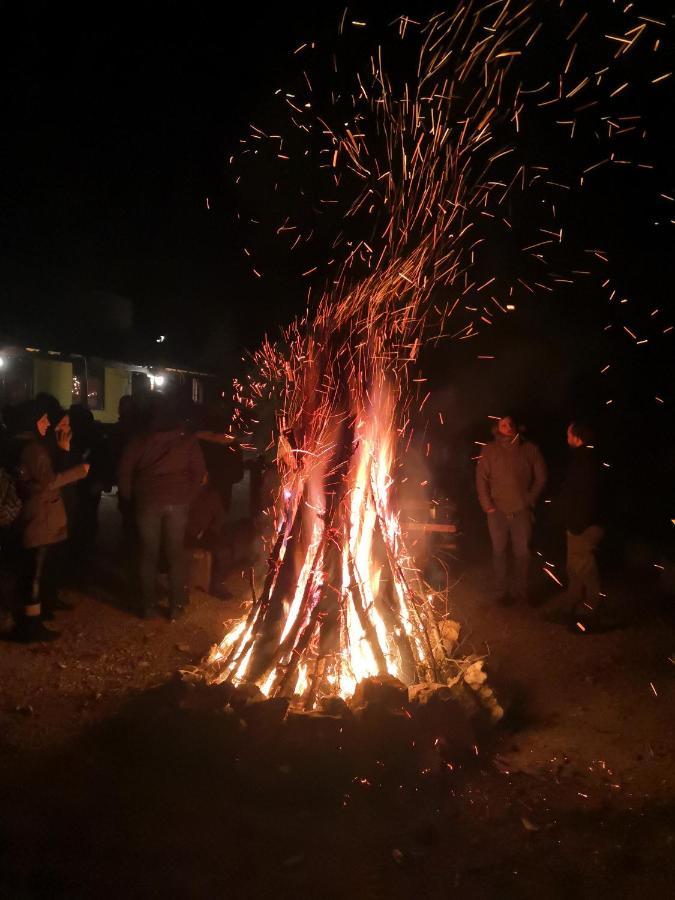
[[510, 477], [43, 517]]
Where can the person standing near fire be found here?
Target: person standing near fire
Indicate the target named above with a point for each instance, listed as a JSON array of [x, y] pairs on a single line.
[[160, 472], [581, 498], [510, 477], [43, 517]]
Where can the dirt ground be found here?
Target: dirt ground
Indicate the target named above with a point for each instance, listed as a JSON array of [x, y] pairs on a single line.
[[108, 789]]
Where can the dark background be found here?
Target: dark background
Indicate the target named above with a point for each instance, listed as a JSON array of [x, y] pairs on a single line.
[[118, 121]]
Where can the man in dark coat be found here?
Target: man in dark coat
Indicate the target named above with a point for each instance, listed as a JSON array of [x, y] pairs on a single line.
[[206, 530], [510, 476], [581, 506], [160, 472], [127, 425], [223, 457], [88, 443]]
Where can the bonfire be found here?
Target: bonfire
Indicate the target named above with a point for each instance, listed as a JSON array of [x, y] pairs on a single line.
[[343, 599], [426, 174]]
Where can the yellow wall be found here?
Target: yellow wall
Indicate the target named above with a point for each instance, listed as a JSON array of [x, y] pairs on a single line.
[[54, 377], [117, 384]]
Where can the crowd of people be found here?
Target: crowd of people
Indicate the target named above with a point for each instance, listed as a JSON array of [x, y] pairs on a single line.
[[174, 476]]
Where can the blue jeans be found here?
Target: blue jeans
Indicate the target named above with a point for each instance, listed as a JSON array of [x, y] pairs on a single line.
[[518, 527], [154, 524]]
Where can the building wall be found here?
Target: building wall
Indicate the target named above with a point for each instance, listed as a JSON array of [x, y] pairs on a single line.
[[54, 377], [117, 384]]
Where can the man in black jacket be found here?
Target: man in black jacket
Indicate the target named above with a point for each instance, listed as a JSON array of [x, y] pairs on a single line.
[[582, 515]]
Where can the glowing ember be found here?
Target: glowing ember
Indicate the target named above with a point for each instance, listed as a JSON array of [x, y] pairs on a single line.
[[342, 600], [424, 174]]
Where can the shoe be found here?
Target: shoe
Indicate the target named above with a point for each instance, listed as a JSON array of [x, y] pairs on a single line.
[[30, 630]]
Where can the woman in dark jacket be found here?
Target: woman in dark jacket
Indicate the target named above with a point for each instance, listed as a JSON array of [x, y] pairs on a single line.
[[43, 517]]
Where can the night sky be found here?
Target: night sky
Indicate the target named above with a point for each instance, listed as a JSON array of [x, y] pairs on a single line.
[[118, 122]]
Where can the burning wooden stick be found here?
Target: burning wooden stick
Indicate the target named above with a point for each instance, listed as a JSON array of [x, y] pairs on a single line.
[[341, 600]]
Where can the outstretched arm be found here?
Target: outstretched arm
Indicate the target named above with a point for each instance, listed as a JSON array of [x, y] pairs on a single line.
[[75, 473], [36, 471]]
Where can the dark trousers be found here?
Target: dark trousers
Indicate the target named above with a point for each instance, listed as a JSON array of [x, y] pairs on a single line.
[[130, 545], [582, 569], [517, 527], [38, 580], [157, 525], [82, 532], [222, 555]]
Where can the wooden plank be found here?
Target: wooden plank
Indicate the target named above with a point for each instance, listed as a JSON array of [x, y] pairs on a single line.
[[430, 527]]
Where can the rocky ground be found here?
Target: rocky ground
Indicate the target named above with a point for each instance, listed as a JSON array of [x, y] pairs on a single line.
[[110, 789]]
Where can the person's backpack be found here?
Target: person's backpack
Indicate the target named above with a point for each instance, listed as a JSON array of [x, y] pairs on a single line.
[[10, 504]]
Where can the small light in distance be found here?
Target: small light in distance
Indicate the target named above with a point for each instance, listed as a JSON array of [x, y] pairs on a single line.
[[510, 307]]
